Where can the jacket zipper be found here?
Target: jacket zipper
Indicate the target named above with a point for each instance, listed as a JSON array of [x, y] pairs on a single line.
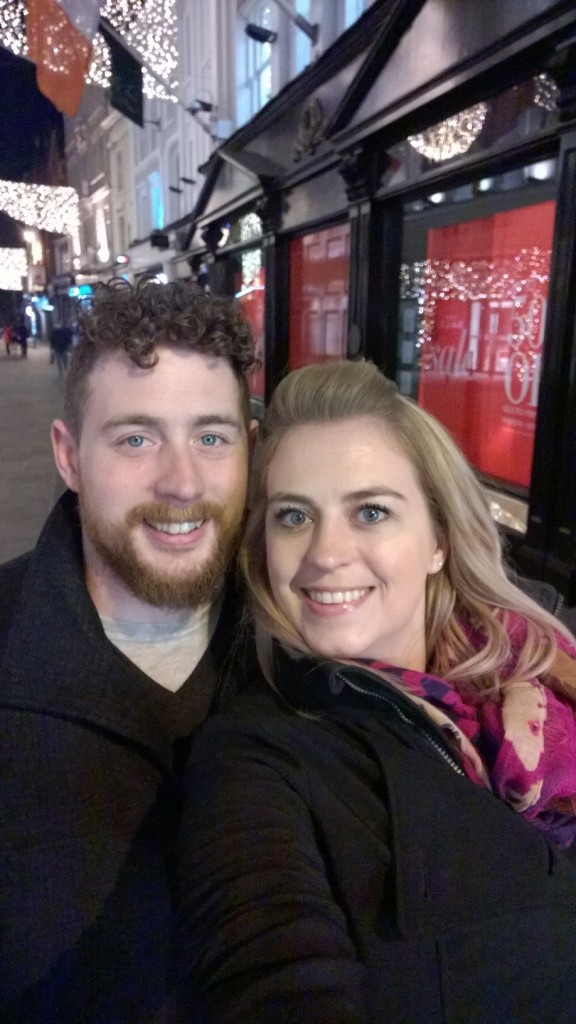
[[405, 718]]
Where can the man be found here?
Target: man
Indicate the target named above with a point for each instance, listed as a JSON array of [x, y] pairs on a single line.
[[60, 344], [116, 637]]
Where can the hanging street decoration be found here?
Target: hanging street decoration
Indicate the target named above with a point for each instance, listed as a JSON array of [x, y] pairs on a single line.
[[59, 34], [47, 207], [13, 267], [148, 27]]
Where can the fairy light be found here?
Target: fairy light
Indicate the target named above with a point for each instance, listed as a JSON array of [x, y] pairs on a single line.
[[13, 267], [451, 137], [250, 227], [546, 92], [521, 278], [47, 207], [149, 27], [13, 26]]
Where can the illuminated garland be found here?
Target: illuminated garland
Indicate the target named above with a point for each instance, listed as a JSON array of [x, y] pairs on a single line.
[[47, 207], [430, 281], [451, 137], [149, 28], [546, 92], [13, 267]]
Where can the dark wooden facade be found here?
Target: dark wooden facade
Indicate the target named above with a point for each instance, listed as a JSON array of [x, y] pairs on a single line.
[[322, 152]]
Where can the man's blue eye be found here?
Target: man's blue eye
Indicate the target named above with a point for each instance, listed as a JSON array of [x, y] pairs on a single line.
[[210, 440], [135, 442]]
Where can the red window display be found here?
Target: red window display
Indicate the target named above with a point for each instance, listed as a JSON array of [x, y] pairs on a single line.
[[250, 298], [485, 297], [319, 265]]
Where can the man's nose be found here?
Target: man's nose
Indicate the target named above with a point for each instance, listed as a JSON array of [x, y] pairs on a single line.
[[179, 476]]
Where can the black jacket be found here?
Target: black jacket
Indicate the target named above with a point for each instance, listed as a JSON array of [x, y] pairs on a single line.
[[90, 774], [338, 868]]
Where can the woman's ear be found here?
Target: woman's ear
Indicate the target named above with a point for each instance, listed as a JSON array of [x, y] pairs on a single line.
[[439, 557]]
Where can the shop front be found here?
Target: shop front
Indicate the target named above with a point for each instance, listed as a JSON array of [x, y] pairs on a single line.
[[416, 190]]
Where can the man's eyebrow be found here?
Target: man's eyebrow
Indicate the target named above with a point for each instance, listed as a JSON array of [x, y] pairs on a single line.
[[142, 420]]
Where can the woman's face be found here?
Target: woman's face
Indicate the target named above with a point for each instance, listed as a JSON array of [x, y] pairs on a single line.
[[350, 542]]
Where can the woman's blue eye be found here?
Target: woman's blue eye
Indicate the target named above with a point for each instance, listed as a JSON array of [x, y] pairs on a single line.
[[291, 517], [372, 514], [210, 440]]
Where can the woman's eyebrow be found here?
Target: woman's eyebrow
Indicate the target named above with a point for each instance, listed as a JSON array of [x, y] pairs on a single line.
[[379, 490], [285, 496]]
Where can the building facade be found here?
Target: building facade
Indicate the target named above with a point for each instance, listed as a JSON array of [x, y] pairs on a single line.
[[410, 197]]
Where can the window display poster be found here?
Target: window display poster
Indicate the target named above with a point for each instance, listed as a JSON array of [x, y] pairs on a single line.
[[319, 267], [250, 298], [485, 296]]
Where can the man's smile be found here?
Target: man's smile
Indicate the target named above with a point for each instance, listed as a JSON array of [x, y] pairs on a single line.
[[175, 528]]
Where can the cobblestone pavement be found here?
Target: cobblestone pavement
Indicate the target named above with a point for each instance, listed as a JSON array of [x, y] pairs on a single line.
[[31, 394]]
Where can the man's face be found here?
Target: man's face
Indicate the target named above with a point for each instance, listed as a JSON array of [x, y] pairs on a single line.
[[160, 468]]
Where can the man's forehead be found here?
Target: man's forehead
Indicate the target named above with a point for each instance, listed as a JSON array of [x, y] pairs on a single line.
[[205, 382]]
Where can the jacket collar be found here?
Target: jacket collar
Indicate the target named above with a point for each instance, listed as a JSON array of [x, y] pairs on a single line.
[[351, 691], [57, 659]]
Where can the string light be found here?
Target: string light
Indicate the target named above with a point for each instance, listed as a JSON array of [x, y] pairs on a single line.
[[546, 91], [47, 207], [521, 279], [451, 137], [13, 267], [250, 227], [149, 27]]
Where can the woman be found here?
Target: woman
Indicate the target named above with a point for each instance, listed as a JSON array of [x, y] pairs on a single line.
[[383, 834]]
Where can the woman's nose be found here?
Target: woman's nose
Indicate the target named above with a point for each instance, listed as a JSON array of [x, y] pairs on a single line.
[[330, 545]]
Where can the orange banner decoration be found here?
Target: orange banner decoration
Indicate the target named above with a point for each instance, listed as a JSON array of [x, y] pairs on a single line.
[[60, 34]]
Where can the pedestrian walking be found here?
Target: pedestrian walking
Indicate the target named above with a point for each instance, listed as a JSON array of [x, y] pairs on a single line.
[[60, 345]]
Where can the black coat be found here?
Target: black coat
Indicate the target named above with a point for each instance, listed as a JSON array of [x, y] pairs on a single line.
[[90, 776], [339, 869]]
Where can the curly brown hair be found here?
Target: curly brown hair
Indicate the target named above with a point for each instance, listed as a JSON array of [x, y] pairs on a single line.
[[136, 321]]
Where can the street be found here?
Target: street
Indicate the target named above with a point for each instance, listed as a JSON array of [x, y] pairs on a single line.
[[31, 395]]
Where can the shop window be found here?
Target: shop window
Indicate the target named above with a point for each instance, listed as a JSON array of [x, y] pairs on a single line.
[[174, 198], [474, 292], [319, 266], [156, 200], [302, 45], [250, 287], [353, 9]]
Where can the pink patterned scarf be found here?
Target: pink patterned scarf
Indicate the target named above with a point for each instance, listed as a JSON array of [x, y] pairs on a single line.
[[520, 744]]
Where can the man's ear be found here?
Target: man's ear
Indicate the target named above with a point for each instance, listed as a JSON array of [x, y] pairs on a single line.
[[65, 450], [253, 433]]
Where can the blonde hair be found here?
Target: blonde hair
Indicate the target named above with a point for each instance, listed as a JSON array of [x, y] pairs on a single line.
[[471, 592]]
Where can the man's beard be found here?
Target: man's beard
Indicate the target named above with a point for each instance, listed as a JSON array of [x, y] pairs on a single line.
[[196, 586]]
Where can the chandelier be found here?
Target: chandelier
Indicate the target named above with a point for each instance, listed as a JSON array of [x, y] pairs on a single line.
[[149, 27], [451, 137]]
